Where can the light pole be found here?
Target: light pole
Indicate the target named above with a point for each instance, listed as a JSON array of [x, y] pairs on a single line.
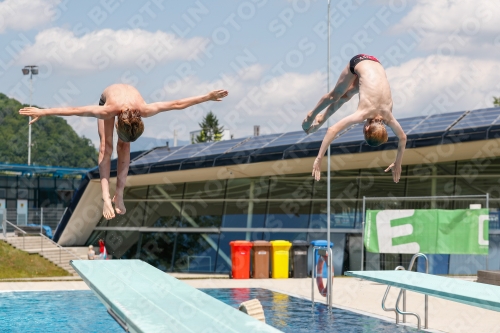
[[31, 70], [328, 217]]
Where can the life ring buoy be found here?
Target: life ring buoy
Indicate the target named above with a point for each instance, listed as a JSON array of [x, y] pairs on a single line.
[[323, 290]]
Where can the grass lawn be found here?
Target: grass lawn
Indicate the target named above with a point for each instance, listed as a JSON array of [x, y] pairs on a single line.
[[15, 263]]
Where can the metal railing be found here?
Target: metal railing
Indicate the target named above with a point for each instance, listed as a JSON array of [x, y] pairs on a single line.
[[74, 255], [6, 223], [42, 239], [402, 292]]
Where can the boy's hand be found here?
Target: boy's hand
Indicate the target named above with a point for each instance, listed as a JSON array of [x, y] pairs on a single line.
[[316, 173], [396, 171], [33, 112], [217, 95]]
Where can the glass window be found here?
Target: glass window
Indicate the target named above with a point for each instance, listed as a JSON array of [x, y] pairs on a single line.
[[156, 248], [380, 186], [22, 193], [298, 188], [243, 188], [240, 214], [340, 188], [195, 252], [94, 238], [202, 214], [288, 236], [288, 214], [166, 191], [118, 242], [343, 214], [3, 180], [12, 193], [46, 182], [134, 216], [162, 214], [64, 184], [135, 193], [3, 193], [212, 189]]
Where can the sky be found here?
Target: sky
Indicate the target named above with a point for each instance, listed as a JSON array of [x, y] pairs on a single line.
[[271, 55]]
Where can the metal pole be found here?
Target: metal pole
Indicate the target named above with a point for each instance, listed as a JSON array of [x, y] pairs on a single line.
[[29, 126], [41, 228], [312, 275], [329, 282], [363, 233], [488, 208]]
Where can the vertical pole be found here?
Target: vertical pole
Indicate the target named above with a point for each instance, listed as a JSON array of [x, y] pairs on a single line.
[[329, 282], [41, 228], [312, 276], [363, 233], [250, 209], [29, 126], [488, 209]]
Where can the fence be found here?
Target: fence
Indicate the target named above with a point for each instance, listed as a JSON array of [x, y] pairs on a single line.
[[389, 261], [47, 216]]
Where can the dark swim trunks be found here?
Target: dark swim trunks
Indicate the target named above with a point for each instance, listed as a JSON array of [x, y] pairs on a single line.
[[357, 59], [102, 100]]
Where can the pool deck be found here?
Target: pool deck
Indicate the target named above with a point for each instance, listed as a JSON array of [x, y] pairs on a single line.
[[348, 293]]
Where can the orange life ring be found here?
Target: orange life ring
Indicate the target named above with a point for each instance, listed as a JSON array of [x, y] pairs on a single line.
[[319, 275]]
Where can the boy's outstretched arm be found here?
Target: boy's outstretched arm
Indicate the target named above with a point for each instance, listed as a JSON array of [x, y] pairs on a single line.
[[97, 111], [396, 166], [155, 108], [330, 135]]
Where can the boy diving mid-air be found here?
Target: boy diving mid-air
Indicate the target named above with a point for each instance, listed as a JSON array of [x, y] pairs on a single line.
[[121, 106], [367, 78]]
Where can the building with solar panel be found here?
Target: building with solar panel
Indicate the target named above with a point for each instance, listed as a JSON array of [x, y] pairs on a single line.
[[185, 204]]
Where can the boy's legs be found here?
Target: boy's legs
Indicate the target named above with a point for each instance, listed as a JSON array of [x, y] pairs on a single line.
[[106, 128], [323, 117], [345, 80], [123, 151]]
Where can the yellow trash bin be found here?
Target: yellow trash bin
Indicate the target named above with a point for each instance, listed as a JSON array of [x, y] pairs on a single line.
[[279, 256]]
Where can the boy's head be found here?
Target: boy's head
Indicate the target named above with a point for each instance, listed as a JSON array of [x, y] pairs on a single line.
[[129, 126], [375, 132]]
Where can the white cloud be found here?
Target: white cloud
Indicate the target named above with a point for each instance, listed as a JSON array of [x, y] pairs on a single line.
[[26, 14], [104, 49], [436, 84], [455, 26]]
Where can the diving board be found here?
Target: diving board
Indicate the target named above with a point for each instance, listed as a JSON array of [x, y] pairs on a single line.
[[466, 292], [146, 299]]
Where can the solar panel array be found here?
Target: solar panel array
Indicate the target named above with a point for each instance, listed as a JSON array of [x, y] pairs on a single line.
[[414, 125], [479, 118]]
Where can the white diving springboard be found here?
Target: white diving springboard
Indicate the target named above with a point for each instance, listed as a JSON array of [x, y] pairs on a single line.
[[472, 293], [142, 298]]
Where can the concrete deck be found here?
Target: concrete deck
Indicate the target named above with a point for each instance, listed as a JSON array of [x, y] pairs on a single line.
[[348, 293]]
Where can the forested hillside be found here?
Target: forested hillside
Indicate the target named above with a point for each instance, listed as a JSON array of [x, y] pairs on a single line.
[[55, 143]]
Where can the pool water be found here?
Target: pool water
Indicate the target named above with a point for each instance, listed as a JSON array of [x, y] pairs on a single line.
[[292, 314], [81, 311]]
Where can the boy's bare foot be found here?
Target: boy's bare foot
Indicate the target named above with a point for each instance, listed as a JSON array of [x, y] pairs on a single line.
[[107, 210], [119, 205], [306, 123]]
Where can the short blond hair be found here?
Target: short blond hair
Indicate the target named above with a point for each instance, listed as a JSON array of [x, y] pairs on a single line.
[[129, 126]]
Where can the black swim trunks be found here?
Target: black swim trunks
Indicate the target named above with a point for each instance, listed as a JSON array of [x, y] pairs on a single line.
[[102, 100], [357, 59]]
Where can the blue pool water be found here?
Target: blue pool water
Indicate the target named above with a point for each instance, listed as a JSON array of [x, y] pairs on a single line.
[[81, 311]]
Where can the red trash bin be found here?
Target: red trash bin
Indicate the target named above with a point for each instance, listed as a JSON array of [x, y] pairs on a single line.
[[240, 259]]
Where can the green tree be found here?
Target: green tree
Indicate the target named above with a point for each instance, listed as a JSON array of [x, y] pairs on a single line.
[[54, 142], [210, 129], [496, 101]]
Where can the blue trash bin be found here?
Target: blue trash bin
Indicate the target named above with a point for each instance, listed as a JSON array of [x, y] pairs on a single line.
[[323, 244]]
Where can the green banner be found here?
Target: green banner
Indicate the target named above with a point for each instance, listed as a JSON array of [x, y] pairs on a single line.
[[461, 231]]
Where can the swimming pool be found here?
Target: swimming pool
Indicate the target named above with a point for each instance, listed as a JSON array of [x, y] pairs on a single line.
[[81, 311]]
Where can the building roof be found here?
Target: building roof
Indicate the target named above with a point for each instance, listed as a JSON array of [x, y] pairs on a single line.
[[37, 170]]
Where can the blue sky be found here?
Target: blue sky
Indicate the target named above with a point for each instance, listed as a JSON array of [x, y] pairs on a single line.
[[271, 56]]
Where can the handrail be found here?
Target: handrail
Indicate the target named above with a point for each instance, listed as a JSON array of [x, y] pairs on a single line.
[[74, 255], [410, 266], [16, 227], [399, 268]]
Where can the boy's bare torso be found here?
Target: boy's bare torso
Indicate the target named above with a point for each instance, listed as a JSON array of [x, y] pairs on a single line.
[[123, 96], [375, 97]]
